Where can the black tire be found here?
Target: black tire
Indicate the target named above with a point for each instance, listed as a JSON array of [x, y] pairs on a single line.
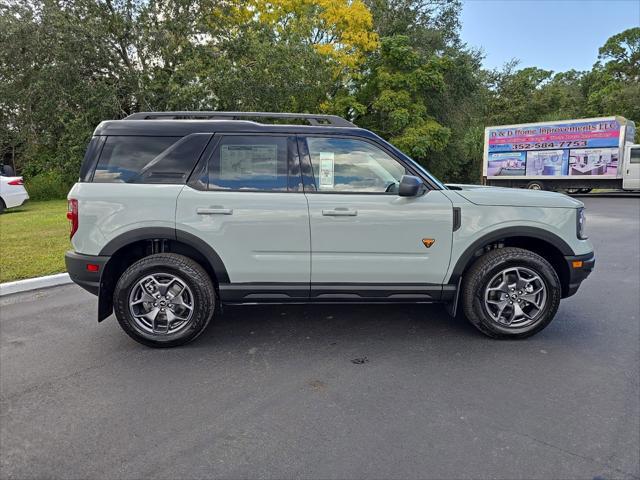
[[190, 273], [477, 278], [535, 185], [2, 206], [586, 190], [573, 191]]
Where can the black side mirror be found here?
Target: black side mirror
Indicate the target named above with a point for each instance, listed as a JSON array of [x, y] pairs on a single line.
[[410, 186]]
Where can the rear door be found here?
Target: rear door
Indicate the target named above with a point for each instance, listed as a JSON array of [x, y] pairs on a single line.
[[250, 208], [631, 172], [363, 234]]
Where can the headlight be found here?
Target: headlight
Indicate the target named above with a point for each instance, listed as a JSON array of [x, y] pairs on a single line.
[[581, 219]]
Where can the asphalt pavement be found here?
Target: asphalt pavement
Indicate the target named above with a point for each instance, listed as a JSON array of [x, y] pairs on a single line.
[[399, 391]]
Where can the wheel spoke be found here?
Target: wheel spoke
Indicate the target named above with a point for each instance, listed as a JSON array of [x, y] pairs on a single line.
[[532, 299], [500, 311], [151, 316], [503, 287], [144, 298]]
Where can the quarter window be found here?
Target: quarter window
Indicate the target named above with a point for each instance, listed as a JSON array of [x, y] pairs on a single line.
[[348, 165], [251, 163], [123, 157], [131, 159]]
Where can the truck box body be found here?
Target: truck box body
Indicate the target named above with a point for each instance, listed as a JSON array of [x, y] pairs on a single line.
[[564, 154]]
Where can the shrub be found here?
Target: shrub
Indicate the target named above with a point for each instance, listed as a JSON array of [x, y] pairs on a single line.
[[48, 186]]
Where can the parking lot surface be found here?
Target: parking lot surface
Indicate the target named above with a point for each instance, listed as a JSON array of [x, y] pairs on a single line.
[[398, 391]]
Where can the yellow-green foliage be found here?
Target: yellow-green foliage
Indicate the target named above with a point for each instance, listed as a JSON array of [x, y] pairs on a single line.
[[339, 29]]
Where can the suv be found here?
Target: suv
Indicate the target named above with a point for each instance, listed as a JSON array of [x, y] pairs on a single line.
[[176, 214]]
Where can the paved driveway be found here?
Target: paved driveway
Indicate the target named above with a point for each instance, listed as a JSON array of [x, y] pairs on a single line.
[[332, 391]]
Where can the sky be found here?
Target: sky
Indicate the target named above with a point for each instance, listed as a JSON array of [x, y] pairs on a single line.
[[556, 35]]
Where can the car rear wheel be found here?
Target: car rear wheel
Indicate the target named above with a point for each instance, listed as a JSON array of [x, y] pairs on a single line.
[[511, 293], [164, 300], [2, 206]]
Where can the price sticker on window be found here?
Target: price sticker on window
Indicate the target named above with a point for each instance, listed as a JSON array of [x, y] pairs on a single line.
[[326, 174]]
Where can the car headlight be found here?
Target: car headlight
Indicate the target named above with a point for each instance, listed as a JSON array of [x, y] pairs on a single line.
[[581, 220]]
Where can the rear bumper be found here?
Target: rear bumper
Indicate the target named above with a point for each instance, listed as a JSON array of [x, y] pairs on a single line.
[[79, 273], [578, 273]]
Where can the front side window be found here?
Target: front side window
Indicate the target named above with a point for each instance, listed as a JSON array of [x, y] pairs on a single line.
[[349, 165], [635, 155], [251, 163]]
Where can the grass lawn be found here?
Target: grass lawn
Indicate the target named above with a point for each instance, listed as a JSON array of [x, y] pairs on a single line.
[[33, 239]]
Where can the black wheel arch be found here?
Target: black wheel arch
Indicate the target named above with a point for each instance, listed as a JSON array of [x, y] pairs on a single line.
[[546, 244], [139, 243]]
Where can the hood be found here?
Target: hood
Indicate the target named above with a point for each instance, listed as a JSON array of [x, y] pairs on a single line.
[[514, 197]]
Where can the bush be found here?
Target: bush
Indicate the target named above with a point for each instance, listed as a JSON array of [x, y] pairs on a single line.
[[48, 186]]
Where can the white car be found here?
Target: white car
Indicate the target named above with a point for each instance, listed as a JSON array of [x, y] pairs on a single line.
[[12, 192]]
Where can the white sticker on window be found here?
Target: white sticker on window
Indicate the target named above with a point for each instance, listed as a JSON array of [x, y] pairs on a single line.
[[326, 180]]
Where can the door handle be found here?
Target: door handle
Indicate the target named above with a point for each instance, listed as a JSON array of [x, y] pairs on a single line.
[[340, 212], [214, 211]]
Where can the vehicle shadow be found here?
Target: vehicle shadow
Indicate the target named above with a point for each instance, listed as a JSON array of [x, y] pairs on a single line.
[[332, 324]]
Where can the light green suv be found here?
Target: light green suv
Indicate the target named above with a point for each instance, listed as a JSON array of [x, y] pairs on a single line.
[[178, 213]]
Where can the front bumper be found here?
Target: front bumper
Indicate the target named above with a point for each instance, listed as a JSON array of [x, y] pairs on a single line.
[[580, 266], [79, 269]]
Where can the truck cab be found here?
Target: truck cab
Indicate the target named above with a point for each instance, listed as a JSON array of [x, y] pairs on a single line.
[[631, 168]]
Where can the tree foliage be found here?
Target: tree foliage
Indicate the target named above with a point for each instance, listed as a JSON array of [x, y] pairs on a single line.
[[397, 67]]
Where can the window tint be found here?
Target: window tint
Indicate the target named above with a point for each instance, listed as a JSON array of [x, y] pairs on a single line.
[[123, 157], [635, 155], [348, 165], [175, 163], [250, 163]]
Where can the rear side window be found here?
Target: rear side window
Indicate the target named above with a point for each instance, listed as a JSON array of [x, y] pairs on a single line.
[[131, 159], [254, 163], [635, 155]]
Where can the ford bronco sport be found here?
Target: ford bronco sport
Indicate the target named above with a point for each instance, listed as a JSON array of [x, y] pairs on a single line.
[[176, 214]]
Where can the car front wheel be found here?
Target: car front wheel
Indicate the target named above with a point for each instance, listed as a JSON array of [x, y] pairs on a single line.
[[511, 293], [164, 300]]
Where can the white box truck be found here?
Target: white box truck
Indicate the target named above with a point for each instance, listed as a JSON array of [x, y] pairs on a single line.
[[572, 155]]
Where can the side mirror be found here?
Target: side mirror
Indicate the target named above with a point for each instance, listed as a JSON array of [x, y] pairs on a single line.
[[410, 186]]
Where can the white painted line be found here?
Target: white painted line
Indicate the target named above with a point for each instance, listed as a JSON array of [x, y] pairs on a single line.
[[34, 283]]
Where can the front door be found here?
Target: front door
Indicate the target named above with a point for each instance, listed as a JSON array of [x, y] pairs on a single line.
[[251, 210], [363, 235], [631, 173]]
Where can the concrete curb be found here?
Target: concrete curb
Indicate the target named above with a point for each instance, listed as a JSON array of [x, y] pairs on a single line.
[[34, 283]]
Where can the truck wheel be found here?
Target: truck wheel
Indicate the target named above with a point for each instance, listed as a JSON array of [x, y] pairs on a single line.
[[572, 191], [535, 185], [510, 293], [586, 190], [164, 300]]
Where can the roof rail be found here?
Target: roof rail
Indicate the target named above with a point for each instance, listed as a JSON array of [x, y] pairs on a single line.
[[313, 119]]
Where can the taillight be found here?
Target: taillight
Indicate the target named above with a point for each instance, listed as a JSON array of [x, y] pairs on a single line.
[[16, 182], [72, 216]]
